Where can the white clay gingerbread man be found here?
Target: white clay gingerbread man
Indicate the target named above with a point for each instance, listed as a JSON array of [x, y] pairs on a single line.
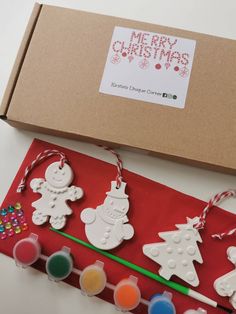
[[55, 193]]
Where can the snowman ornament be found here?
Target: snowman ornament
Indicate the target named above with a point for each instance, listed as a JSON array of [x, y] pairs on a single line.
[[106, 226], [56, 191]]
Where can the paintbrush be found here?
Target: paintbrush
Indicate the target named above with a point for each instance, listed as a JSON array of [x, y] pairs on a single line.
[[171, 284]]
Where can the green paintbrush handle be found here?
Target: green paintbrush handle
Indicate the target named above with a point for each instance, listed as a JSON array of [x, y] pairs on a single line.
[[141, 270]]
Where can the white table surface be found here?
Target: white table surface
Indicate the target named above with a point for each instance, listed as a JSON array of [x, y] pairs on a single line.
[[22, 291]]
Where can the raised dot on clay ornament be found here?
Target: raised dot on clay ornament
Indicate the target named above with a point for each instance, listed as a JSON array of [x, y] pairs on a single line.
[[180, 250], [187, 237], [184, 262], [190, 276], [93, 279], [154, 252], [169, 250], [176, 238], [106, 235], [171, 263], [191, 250], [127, 294]]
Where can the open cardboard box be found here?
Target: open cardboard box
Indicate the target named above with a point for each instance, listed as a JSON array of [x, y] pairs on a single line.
[[55, 82]]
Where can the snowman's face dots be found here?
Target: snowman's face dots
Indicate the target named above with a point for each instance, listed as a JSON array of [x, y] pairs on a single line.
[[59, 177], [116, 207]]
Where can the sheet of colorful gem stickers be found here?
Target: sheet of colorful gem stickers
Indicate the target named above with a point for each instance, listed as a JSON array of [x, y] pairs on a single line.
[[153, 208]]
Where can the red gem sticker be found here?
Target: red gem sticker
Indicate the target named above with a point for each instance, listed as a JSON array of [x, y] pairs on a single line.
[[176, 68]]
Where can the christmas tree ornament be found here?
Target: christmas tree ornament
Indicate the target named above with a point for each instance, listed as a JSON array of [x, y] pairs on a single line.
[[55, 190], [127, 295], [180, 249], [93, 279], [59, 265], [161, 304], [107, 226], [27, 251]]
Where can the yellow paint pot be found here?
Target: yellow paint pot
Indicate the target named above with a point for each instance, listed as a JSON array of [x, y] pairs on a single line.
[[93, 279]]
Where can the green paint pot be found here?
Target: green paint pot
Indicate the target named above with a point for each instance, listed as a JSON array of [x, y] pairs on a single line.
[[59, 265]]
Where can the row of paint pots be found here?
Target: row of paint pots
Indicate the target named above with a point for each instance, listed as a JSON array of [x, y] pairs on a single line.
[[93, 279]]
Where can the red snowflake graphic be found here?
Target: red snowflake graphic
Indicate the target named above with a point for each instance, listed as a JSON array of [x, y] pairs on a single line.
[[144, 64], [184, 72], [115, 59]]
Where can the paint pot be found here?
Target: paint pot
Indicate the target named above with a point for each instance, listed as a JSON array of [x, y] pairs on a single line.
[[93, 279], [161, 304], [27, 251], [59, 265], [127, 295], [198, 311]]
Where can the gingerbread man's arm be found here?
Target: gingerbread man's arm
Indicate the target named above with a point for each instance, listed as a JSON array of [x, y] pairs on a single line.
[[74, 193], [37, 185]]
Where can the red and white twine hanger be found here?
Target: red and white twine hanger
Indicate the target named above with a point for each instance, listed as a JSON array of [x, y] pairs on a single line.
[[53, 152], [40, 158], [119, 164], [214, 201]]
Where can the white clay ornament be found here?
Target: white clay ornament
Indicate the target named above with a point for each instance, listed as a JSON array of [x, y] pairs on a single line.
[[180, 249], [225, 285], [106, 226], [177, 254], [55, 190]]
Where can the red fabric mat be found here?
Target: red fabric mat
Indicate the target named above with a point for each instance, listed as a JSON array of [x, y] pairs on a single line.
[[153, 208]]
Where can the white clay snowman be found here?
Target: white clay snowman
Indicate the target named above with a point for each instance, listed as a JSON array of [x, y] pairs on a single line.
[[55, 193], [106, 226]]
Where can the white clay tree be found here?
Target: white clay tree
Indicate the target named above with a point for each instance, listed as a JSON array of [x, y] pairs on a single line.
[[177, 254]]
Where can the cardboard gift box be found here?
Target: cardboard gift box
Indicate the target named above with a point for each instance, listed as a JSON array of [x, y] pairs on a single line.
[[101, 78]]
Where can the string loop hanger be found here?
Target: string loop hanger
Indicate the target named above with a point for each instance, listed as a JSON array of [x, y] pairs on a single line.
[[215, 201], [38, 160], [119, 165]]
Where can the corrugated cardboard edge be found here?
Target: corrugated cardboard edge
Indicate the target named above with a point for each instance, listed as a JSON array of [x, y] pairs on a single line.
[[182, 160], [19, 60]]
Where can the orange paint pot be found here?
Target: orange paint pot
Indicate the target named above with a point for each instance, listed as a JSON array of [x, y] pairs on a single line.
[[93, 279], [127, 295]]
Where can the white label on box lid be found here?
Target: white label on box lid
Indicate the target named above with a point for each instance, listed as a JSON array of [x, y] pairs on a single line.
[[148, 66]]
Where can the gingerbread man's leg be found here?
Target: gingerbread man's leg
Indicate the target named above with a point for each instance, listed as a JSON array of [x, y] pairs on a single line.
[[39, 218], [58, 222]]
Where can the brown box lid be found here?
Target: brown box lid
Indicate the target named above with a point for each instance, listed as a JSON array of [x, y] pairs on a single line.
[[54, 88]]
